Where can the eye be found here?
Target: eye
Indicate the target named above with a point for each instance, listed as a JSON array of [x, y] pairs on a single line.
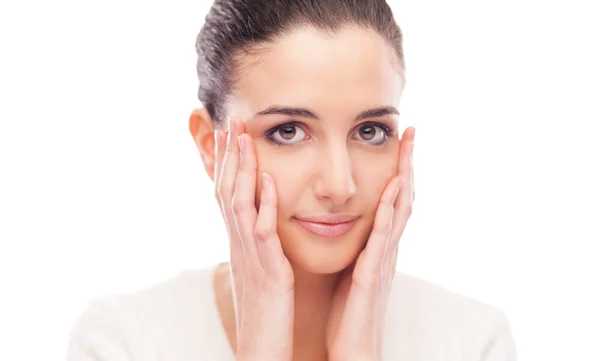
[[374, 134], [287, 134]]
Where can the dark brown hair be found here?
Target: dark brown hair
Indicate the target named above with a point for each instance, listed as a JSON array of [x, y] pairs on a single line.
[[237, 27]]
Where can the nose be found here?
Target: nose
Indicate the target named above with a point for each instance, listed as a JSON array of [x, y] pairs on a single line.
[[335, 180]]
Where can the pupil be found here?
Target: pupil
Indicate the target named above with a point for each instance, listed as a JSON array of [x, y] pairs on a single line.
[[288, 132], [369, 132]]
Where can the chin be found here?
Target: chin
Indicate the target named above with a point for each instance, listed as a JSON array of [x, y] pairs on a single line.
[[321, 255]]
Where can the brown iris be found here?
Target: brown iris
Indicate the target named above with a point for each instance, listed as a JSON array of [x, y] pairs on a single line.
[[368, 132], [288, 133]]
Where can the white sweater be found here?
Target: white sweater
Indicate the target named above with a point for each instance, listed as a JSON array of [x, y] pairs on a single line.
[[178, 320]]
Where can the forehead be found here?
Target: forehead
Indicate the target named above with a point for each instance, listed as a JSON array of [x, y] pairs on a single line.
[[345, 72]]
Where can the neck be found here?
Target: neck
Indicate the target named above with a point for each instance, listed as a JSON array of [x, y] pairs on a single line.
[[312, 299]]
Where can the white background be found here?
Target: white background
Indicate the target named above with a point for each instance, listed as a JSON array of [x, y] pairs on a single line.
[[102, 189]]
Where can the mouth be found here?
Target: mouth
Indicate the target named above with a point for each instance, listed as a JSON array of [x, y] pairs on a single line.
[[328, 227]]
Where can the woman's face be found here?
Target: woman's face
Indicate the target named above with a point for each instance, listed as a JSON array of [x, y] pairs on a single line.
[[333, 164]]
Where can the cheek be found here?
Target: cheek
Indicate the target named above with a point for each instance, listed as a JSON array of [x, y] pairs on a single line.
[[373, 190], [290, 176], [374, 174]]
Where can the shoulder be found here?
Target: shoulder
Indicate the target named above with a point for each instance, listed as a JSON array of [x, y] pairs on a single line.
[[169, 317], [423, 314]]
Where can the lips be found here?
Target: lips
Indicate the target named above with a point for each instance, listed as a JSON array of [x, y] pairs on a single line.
[[329, 226]]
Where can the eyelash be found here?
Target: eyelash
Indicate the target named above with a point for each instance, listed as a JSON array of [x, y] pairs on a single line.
[[387, 130]]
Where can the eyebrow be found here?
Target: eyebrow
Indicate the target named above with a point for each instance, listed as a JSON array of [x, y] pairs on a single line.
[[302, 112]]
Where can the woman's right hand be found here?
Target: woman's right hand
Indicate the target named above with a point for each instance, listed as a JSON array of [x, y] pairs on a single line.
[[263, 280]]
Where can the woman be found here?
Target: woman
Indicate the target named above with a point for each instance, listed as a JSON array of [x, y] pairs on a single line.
[[300, 134]]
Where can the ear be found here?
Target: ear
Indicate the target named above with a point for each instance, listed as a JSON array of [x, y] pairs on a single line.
[[202, 130]]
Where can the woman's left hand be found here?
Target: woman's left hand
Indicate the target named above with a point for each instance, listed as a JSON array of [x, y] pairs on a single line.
[[357, 316]]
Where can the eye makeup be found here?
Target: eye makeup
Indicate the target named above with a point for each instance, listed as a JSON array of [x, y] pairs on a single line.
[[269, 134]]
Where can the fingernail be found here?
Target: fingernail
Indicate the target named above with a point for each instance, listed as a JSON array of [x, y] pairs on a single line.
[[265, 181], [230, 128], [241, 143], [398, 186]]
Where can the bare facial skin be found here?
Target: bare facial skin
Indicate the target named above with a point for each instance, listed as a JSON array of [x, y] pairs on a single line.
[[333, 164]]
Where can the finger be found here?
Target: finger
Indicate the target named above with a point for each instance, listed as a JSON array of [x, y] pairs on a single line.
[[220, 143], [219, 154], [268, 244], [394, 260], [412, 171], [225, 187], [244, 209], [230, 165], [382, 226], [412, 177], [404, 149], [403, 205]]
